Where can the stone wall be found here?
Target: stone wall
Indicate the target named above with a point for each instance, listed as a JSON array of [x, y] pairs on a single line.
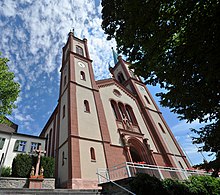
[[11, 182]]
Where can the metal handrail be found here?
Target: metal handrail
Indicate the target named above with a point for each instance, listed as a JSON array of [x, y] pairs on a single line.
[[117, 184], [185, 173]]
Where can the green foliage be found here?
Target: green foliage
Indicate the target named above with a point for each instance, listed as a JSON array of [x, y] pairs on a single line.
[[174, 44], [9, 90], [196, 185], [6, 172], [206, 185], [48, 164], [21, 165], [144, 183], [175, 187]]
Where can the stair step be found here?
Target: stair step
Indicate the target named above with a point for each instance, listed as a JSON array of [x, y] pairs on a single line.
[[26, 191]]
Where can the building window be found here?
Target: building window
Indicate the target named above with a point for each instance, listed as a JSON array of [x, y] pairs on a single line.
[[121, 110], [180, 165], [2, 158], [121, 78], [114, 108], [79, 50], [20, 146], [82, 75], [2, 141], [63, 158], [46, 144], [162, 129], [34, 146], [65, 80], [50, 141], [92, 154], [64, 110], [147, 100], [86, 106], [130, 114]]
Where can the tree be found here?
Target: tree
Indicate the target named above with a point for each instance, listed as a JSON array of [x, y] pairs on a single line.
[[9, 90], [176, 45]]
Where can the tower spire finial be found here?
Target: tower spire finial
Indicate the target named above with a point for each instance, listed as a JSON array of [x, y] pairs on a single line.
[[115, 56]]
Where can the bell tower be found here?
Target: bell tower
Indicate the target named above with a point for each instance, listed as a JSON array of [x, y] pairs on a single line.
[[81, 124]]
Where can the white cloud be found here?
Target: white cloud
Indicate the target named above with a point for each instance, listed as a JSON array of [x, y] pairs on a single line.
[[32, 36]]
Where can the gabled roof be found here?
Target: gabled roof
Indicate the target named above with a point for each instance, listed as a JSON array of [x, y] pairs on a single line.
[[112, 81], [10, 127]]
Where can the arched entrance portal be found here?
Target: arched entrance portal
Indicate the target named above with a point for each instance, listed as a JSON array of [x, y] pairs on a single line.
[[139, 152], [135, 155]]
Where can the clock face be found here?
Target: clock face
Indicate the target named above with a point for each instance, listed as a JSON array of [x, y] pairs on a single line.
[[82, 65]]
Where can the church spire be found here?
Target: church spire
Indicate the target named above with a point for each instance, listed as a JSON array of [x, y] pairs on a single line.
[[115, 56]]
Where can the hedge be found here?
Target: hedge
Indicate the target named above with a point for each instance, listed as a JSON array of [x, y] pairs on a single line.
[[22, 163], [196, 185]]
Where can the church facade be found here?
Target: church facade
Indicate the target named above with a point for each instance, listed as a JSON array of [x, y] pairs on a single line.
[[100, 124]]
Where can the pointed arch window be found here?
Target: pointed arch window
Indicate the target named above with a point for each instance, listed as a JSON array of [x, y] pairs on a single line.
[[161, 127], [121, 110], [115, 109], [82, 75], [86, 106], [46, 144], [130, 114], [65, 80], [79, 50], [92, 154], [121, 78], [64, 110], [147, 100], [63, 158]]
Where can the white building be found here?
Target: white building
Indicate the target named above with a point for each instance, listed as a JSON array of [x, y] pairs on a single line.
[[13, 143]]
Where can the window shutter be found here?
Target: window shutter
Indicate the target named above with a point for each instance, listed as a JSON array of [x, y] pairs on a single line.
[[16, 145], [2, 141]]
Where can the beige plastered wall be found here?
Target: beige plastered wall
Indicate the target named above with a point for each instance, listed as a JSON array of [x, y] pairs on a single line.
[[89, 167], [63, 121], [143, 93], [63, 168], [88, 125], [166, 136], [87, 81]]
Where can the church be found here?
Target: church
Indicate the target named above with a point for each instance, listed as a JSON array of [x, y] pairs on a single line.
[[101, 124]]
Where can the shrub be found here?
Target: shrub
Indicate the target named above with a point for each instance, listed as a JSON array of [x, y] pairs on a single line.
[[196, 185], [21, 165], [146, 184], [204, 185], [174, 187], [6, 172], [48, 164]]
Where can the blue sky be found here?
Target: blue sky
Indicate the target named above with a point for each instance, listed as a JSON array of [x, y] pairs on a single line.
[[32, 36]]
